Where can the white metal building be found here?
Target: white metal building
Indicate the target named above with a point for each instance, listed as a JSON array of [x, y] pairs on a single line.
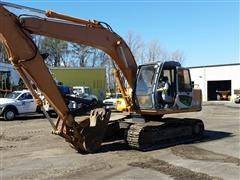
[[212, 78]]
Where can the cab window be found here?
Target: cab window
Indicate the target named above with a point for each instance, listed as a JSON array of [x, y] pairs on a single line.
[[184, 80], [145, 80], [25, 96]]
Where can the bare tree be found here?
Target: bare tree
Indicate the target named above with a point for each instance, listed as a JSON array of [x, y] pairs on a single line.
[[156, 53], [136, 45], [95, 57], [82, 53], [98, 58], [107, 62], [177, 55], [57, 50], [38, 40], [153, 51]]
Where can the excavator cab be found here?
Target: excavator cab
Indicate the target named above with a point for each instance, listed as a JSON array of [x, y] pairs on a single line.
[[148, 93]]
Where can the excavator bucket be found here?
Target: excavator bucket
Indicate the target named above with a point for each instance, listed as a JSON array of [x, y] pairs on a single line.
[[88, 134]]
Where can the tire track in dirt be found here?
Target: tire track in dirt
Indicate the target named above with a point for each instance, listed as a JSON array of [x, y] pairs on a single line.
[[10, 139], [195, 153], [176, 172], [69, 173], [5, 148], [13, 138]]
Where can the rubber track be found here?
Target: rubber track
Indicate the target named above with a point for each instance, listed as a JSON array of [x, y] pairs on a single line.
[[144, 137]]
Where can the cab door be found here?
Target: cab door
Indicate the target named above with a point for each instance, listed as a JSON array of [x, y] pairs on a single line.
[[27, 103], [145, 86], [184, 88]]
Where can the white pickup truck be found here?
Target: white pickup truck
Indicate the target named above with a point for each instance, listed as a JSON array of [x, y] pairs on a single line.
[[16, 103]]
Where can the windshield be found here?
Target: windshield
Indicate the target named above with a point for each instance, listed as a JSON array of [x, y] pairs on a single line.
[[145, 80], [118, 96], [13, 95], [64, 90], [144, 86], [87, 90]]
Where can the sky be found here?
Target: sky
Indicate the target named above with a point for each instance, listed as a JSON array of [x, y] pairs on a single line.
[[206, 31]]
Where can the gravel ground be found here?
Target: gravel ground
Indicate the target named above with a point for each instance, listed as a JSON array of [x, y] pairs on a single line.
[[28, 150]]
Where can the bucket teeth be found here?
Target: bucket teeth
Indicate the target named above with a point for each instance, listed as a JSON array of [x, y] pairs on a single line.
[[88, 134]]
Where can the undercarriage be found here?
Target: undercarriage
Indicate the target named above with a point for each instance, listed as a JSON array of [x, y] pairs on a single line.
[[136, 132], [167, 132]]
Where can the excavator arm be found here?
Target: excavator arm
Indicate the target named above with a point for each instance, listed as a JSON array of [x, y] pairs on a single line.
[[15, 34]]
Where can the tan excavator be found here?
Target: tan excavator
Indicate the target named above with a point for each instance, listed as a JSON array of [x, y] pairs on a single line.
[[145, 103]]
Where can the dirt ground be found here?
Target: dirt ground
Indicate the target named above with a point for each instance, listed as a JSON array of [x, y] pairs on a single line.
[[28, 150]]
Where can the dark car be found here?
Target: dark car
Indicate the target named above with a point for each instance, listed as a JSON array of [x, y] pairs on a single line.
[[65, 90]]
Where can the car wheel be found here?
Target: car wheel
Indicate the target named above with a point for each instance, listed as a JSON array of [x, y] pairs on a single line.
[[237, 100], [9, 114]]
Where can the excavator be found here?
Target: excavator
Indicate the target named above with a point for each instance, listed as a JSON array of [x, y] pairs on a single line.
[[144, 106]]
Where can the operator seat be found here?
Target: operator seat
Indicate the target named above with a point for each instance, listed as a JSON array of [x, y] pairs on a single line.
[[167, 96]]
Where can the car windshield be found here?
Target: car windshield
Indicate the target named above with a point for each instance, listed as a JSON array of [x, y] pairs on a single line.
[[116, 96], [77, 91], [64, 89], [13, 95]]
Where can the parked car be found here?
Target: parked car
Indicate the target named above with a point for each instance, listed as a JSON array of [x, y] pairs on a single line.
[[16, 103], [85, 93], [237, 99], [74, 98], [237, 94], [64, 90], [110, 103], [121, 105]]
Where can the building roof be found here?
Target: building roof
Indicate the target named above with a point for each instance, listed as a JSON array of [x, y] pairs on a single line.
[[216, 65]]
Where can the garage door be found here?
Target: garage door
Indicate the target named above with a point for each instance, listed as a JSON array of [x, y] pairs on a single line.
[[219, 90]]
